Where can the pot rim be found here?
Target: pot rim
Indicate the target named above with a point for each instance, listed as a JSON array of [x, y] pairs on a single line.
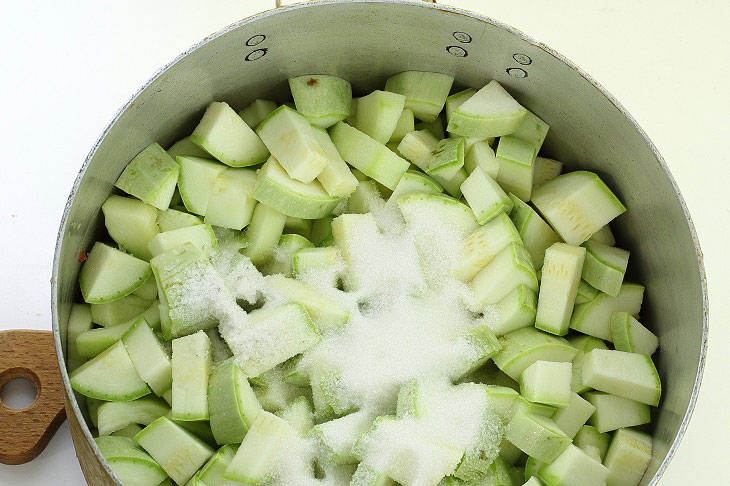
[[420, 4]]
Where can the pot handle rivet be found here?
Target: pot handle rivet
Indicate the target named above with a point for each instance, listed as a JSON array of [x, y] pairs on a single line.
[[31, 355]]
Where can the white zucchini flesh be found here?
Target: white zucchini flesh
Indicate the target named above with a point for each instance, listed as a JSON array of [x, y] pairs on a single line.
[[131, 223], [577, 205], [574, 467], [547, 382], [537, 436], [484, 196], [224, 135], [109, 274], [323, 100], [252, 462], [613, 412], [523, 347], [490, 112], [294, 143], [627, 375], [289, 196], [628, 457], [175, 449], [426, 93], [130, 463], [558, 287], [109, 376], [191, 361], [150, 176]]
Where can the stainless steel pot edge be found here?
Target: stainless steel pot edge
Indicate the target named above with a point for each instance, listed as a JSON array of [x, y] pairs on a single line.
[[417, 3]]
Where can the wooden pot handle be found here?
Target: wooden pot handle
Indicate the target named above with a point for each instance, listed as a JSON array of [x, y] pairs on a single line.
[[25, 433]]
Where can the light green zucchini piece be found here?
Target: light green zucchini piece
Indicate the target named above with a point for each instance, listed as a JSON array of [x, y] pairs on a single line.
[[490, 112], [150, 176], [537, 436], [509, 268], [289, 196], [255, 113], [524, 346], [323, 100], [605, 267], [191, 361], [293, 142], [232, 403], [109, 274], [485, 197], [224, 135], [368, 155], [629, 335], [231, 202], [627, 375], [110, 376], [130, 463], [577, 205], [131, 223], [536, 234], [175, 449], [425, 92]]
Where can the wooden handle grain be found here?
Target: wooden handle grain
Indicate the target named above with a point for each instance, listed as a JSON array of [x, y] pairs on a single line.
[[25, 433]]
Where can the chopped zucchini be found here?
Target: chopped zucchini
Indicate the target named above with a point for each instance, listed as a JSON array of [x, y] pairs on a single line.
[[224, 135]]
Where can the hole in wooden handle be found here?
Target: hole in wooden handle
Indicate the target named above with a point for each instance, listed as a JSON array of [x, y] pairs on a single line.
[[19, 391], [25, 433]]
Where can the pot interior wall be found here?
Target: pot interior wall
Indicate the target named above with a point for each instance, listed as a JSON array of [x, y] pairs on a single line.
[[366, 42]]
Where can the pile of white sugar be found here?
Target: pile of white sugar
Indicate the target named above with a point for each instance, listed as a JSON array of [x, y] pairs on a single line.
[[409, 320]]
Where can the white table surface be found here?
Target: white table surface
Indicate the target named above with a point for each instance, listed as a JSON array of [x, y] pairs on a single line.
[[67, 67]]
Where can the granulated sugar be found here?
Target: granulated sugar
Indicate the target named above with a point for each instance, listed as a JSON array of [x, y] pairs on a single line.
[[201, 292], [412, 312], [408, 320], [241, 277], [440, 423], [268, 337]]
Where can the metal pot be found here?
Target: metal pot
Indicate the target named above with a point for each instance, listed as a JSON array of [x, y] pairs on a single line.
[[366, 41]]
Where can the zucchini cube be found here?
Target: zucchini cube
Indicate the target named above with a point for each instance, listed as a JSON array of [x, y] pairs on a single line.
[[150, 176], [323, 100], [224, 135], [537, 436], [547, 382], [490, 112]]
